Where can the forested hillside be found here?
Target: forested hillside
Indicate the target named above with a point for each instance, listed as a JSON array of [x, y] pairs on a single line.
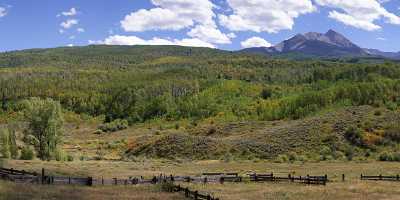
[[169, 83]]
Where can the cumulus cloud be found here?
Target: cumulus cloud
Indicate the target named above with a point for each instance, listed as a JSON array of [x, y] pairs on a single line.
[[133, 40], [3, 12], [264, 15], [80, 30], [69, 23], [71, 12], [255, 42], [154, 19], [361, 14], [176, 15], [170, 15], [210, 34]]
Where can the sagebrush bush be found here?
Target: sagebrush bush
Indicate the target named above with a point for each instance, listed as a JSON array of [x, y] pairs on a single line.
[[389, 156], [282, 158], [114, 126], [27, 153]]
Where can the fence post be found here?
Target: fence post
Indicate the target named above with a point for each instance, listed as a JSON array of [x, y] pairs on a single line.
[[361, 177], [343, 178], [116, 181], [90, 181], [186, 192], [308, 179], [290, 177], [397, 177], [196, 195], [205, 180], [42, 176], [325, 179], [221, 180], [380, 176], [102, 180], [69, 180]]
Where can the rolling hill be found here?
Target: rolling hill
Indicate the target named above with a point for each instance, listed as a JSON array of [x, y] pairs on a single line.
[[202, 103]]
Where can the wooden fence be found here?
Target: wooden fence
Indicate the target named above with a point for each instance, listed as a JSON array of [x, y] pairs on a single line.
[[381, 178], [221, 178], [23, 176], [192, 194]]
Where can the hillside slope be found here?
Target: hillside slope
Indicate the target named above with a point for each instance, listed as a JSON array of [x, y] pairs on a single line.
[[216, 103]]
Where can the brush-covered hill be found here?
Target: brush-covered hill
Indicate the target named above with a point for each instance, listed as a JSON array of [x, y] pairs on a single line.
[[277, 104]]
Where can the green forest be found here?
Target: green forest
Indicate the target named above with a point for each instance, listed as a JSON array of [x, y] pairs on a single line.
[[126, 86]]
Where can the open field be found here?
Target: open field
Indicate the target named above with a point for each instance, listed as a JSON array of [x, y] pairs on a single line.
[[11, 191], [353, 188]]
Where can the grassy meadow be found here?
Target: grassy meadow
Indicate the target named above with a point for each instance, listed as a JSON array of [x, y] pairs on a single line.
[[11, 191], [352, 188]]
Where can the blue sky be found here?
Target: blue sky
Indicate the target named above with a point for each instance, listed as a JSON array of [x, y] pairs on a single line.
[[224, 24]]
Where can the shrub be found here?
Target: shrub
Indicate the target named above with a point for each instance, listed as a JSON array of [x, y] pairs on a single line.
[[70, 158], [98, 132], [60, 155], [385, 156], [292, 156], [114, 126], [349, 153], [27, 153], [393, 134], [4, 144], [266, 93], [354, 136], [282, 158]]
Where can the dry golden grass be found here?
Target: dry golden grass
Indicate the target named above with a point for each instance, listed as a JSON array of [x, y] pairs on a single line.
[[11, 191], [352, 189]]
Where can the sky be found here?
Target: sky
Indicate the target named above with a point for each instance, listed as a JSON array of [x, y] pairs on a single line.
[[223, 24]]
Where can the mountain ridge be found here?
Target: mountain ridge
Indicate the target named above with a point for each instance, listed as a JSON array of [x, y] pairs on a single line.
[[314, 44]]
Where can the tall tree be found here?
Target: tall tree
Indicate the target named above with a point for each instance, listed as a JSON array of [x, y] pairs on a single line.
[[45, 125], [4, 142]]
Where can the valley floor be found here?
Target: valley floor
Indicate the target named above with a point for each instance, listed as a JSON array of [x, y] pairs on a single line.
[[352, 188], [11, 191]]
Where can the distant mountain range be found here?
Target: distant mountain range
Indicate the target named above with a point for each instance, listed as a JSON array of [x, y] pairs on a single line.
[[329, 44]]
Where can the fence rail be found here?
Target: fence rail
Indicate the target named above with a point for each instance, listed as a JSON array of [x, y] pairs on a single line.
[[380, 178]]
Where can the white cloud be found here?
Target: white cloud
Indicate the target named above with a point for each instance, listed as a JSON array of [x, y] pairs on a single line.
[[361, 14], [80, 30], [70, 45], [154, 19], [176, 15], [69, 23], [264, 15], [3, 12], [133, 40], [255, 42], [72, 37], [210, 34], [71, 12], [61, 31], [170, 15], [381, 38]]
